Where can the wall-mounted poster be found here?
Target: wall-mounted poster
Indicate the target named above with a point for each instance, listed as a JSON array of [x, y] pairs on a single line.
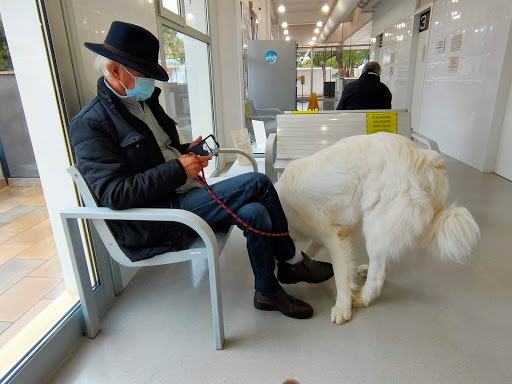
[[456, 43], [391, 71], [453, 66], [392, 60], [440, 45], [424, 53]]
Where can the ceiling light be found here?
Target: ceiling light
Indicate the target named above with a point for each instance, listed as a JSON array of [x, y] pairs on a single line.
[[281, 8], [287, 37], [284, 25], [325, 8], [285, 31], [317, 30], [311, 43], [319, 23], [313, 38]]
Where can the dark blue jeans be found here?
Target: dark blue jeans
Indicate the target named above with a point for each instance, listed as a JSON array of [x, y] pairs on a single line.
[[251, 197]]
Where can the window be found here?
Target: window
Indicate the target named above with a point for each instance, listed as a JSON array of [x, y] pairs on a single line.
[[5, 57], [190, 14], [189, 99]]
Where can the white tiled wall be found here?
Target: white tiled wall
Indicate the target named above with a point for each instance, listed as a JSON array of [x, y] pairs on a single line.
[[92, 20], [459, 109], [396, 51]]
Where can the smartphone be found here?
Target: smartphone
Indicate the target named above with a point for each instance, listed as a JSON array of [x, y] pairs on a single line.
[[207, 147]]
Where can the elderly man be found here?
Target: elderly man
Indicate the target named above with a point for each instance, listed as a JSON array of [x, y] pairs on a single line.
[[367, 92], [129, 152]]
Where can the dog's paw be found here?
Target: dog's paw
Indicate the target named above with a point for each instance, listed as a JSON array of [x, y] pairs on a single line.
[[354, 287], [358, 301], [363, 270], [339, 315]]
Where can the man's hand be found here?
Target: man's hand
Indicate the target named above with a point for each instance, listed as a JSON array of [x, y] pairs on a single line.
[[195, 142], [191, 165]]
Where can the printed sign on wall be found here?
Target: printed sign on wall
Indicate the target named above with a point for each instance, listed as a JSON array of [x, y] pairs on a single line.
[[381, 122], [453, 66], [271, 57], [456, 43], [440, 45]]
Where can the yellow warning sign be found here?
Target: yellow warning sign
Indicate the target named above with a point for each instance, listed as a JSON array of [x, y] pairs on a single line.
[[303, 112], [313, 103], [381, 122]]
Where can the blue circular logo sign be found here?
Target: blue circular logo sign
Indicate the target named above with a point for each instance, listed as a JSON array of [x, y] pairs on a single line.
[[271, 57]]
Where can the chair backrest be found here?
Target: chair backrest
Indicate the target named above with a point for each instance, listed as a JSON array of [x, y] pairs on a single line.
[[251, 109], [101, 226], [248, 122], [301, 135]]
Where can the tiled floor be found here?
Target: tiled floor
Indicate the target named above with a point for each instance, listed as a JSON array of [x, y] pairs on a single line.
[[30, 273], [433, 323]]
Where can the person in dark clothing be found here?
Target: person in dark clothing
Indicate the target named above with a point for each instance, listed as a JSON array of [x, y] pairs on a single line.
[[367, 92], [129, 152]]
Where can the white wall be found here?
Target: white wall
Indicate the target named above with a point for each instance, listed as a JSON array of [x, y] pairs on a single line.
[[389, 12], [504, 159], [396, 52], [318, 80], [464, 110]]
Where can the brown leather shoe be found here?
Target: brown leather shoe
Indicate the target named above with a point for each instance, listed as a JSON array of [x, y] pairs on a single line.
[[308, 270], [284, 303]]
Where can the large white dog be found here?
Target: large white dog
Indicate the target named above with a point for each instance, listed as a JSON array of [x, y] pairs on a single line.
[[387, 186]]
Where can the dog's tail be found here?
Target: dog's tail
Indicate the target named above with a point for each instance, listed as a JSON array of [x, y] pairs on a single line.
[[454, 233]]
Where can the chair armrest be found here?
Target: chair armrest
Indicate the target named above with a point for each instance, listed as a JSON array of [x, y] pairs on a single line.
[[243, 153], [262, 117], [430, 143], [275, 110], [270, 155], [143, 214]]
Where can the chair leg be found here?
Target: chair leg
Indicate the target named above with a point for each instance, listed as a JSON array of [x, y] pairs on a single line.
[[83, 282], [215, 292]]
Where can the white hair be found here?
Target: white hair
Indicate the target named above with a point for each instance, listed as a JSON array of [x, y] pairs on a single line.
[[101, 65]]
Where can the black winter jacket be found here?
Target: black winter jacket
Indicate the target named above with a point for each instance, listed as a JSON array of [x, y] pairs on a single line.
[[119, 158], [365, 93]]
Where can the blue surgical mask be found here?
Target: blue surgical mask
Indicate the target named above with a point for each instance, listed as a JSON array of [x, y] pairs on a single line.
[[143, 89]]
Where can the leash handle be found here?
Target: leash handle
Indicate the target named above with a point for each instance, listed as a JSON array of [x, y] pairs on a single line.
[[205, 185]]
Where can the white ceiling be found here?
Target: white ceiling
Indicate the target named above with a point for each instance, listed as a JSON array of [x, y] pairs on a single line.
[[302, 16], [302, 11]]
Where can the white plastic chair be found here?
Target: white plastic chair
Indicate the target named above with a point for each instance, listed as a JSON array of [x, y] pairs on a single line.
[[209, 245]]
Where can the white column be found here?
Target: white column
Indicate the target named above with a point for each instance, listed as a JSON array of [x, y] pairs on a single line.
[[27, 48]]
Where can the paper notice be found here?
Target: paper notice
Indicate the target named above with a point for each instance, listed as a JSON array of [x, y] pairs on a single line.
[[440, 45], [424, 53], [456, 43], [259, 133], [453, 66], [392, 60], [391, 71], [242, 141]]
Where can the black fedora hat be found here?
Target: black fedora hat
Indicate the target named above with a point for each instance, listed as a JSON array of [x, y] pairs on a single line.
[[133, 46]]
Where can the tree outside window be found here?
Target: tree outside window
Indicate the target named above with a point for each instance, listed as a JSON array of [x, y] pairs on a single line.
[[5, 57], [346, 60]]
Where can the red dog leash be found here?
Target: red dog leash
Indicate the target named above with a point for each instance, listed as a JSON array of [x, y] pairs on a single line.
[[205, 185]]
